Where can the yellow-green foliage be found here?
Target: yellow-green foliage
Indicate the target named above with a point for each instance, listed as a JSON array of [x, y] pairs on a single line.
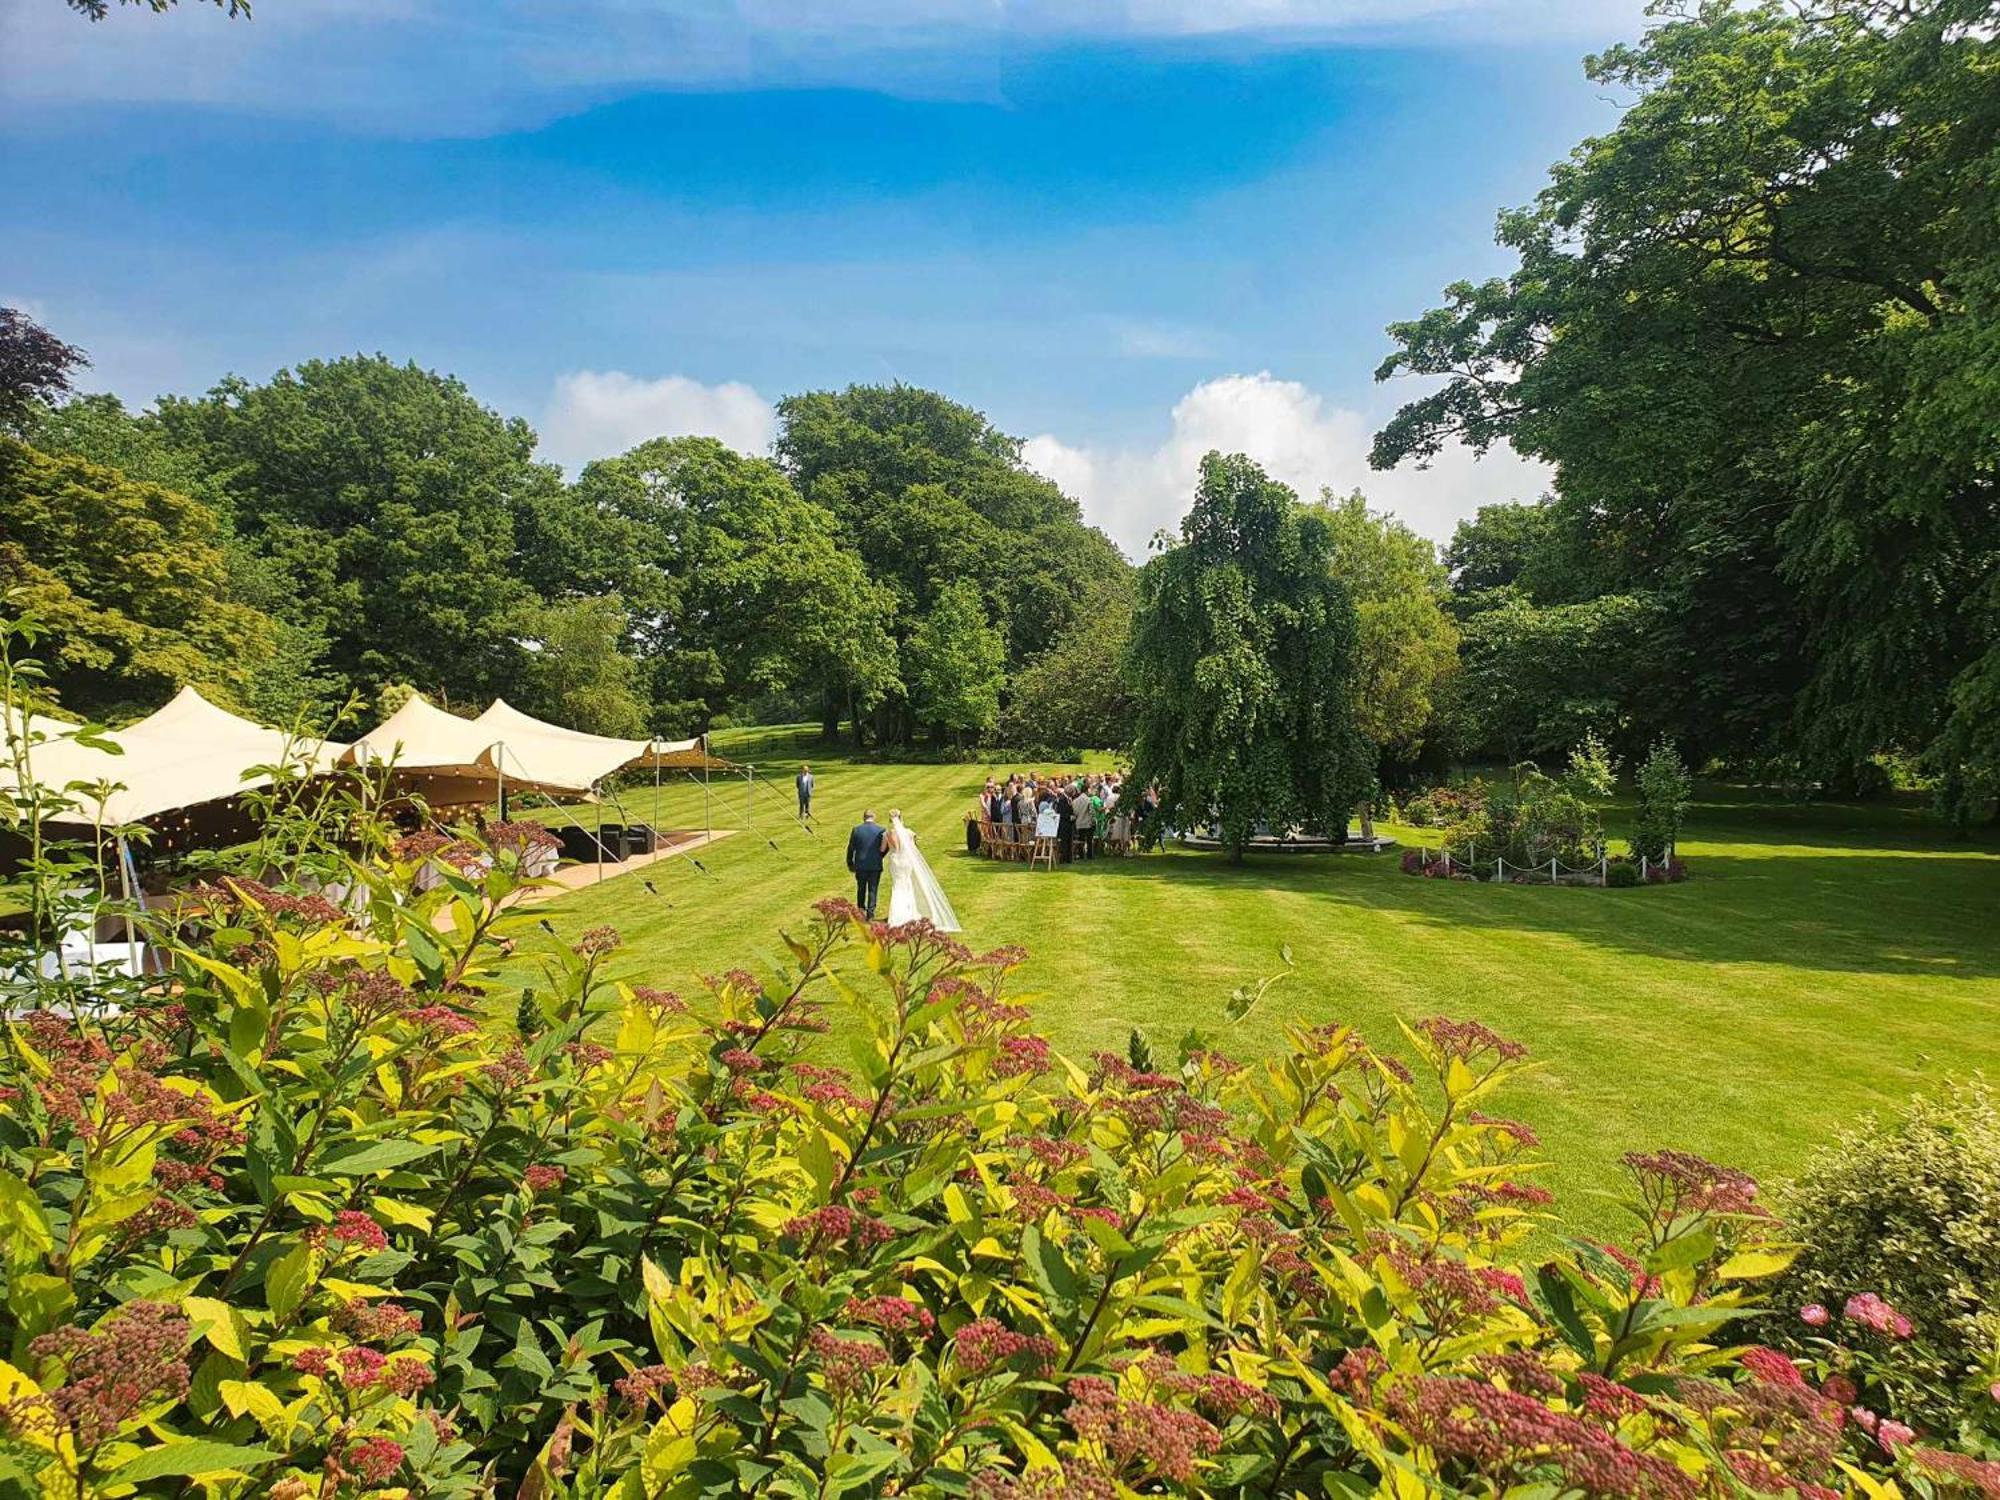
[[303, 1221], [1909, 1210]]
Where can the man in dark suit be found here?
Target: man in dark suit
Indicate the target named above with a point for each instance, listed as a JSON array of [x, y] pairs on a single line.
[[804, 782], [865, 847]]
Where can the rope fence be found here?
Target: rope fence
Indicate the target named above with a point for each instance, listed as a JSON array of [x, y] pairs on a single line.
[[1546, 872]]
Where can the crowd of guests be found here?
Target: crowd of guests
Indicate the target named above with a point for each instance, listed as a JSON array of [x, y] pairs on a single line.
[[1085, 814]]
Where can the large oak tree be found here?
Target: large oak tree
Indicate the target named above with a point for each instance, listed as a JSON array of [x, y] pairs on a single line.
[[1757, 326]]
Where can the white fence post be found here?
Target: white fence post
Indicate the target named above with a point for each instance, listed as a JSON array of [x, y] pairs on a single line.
[[1552, 869], [1642, 867], [1500, 870]]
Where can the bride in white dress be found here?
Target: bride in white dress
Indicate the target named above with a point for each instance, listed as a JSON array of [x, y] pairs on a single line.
[[913, 889]]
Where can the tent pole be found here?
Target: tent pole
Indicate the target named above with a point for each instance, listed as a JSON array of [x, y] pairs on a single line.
[[656, 795], [707, 818], [125, 884]]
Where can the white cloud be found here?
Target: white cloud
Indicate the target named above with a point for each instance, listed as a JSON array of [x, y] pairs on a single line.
[[1297, 437], [600, 413]]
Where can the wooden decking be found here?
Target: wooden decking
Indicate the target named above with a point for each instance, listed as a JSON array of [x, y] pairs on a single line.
[[672, 844]]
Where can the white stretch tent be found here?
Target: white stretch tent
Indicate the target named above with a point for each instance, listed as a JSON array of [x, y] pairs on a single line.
[[505, 745], [531, 749], [528, 749], [182, 755]]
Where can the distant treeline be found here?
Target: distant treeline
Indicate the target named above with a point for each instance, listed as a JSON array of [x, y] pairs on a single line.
[[357, 526]]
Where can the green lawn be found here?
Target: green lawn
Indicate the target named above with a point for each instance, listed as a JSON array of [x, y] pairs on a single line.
[[1824, 960]]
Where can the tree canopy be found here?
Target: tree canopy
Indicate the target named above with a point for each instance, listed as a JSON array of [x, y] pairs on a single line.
[[930, 493], [373, 524], [1244, 658], [131, 582], [384, 496], [737, 584], [1754, 325], [1075, 693], [1408, 644], [36, 367]]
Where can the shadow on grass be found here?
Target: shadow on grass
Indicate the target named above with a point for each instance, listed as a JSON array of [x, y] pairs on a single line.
[[1853, 912]]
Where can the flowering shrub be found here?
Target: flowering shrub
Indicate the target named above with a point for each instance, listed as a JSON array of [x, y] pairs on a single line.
[[1531, 823], [305, 1219], [1444, 805], [1901, 1261]]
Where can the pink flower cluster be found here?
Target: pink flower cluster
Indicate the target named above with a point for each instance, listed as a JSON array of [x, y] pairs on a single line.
[[1140, 1436], [838, 1222], [891, 1315], [1770, 1367], [847, 1365], [1501, 1432], [442, 1020], [828, 1086], [985, 1343], [510, 1071], [376, 1322], [542, 1178], [374, 1459], [1469, 1041], [135, 1356], [1077, 1479], [660, 1002], [355, 1228], [1682, 1183], [1870, 1311], [1221, 1396], [645, 1385], [1021, 1056], [1514, 1130]]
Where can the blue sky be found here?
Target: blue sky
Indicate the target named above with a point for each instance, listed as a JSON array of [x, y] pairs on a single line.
[[1126, 229]]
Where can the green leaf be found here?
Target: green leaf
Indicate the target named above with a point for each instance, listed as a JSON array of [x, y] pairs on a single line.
[[198, 1457], [285, 1281], [1050, 1269], [1688, 1250], [26, 1221], [363, 1157], [1554, 1294]]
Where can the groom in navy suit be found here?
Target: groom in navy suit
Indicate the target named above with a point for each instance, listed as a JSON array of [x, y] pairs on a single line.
[[865, 846]]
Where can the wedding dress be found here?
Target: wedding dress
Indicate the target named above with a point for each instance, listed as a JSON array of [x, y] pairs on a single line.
[[913, 889]]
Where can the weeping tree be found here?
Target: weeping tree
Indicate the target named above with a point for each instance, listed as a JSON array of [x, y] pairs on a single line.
[[1245, 648]]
